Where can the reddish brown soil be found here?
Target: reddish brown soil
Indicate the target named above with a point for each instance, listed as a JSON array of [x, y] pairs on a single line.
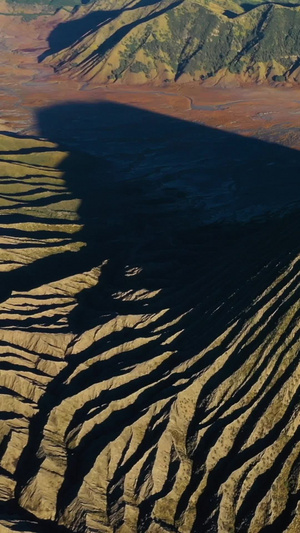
[[27, 85]]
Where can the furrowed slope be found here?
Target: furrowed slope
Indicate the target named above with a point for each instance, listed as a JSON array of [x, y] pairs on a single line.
[[37, 212], [184, 41], [150, 364]]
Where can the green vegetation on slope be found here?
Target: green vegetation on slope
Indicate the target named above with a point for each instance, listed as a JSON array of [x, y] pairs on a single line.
[[41, 6], [186, 40]]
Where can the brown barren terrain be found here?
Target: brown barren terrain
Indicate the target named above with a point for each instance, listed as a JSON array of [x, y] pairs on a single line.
[[27, 85]]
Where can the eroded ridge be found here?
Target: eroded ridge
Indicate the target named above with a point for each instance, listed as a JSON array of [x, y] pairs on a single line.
[[141, 443], [159, 396], [38, 213]]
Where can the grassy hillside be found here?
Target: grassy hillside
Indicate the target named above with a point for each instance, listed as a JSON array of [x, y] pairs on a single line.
[[185, 40]]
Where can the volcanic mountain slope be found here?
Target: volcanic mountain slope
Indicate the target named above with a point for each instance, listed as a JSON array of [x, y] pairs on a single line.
[[149, 358], [183, 40]]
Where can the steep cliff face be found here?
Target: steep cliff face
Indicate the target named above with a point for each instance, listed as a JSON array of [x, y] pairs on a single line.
[[184, 40]]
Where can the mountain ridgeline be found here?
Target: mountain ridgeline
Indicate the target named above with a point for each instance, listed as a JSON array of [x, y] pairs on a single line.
[[143, 41]]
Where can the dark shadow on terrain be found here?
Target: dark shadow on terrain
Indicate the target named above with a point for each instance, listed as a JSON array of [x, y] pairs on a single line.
[[68, 33], [205, 214], [249, 6], [26, 521], [230, 14]]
